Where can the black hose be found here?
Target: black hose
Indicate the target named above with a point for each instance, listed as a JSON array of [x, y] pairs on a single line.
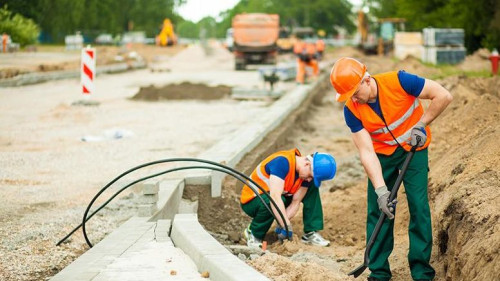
[[155, 175], [180, 160]]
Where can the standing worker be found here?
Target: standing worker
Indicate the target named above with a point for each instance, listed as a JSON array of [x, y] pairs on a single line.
[[306, 56], [320, 48], [5, 39], [290, 179], [386, 119]]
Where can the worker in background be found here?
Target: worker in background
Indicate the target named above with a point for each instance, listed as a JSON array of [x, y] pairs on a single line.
[[386, 119], [5, 39], [306, 56], [290, 179], [320, 48]]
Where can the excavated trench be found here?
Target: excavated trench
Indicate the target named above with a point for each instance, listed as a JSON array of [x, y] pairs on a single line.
[[463, 191]]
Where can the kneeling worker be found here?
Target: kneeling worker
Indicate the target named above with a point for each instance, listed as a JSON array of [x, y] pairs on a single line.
[[290, 179]]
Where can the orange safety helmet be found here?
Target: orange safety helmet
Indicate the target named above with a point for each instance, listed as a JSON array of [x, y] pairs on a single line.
[[346, 76]]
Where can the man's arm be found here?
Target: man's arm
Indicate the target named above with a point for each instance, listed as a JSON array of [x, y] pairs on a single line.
[[293, 208], [373, 168], [276, 187], [440, 98], [368, 157]]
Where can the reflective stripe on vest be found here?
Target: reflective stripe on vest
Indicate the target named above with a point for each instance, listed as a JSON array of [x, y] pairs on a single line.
[[401, 139], [291, 184], [260, 175], [401, 111], [400, 121]]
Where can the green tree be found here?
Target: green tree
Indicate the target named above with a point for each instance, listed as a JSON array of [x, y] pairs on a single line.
[[188, 29], [480, 19], [21, 30], [59, 18], [328, 15]]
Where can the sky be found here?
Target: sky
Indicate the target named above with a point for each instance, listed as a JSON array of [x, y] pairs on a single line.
[[195, 10]]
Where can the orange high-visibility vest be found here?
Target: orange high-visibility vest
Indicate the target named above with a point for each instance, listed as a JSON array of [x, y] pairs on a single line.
[[320, 45], [310, 49], [400, 110], [298, 47], [261, 177]]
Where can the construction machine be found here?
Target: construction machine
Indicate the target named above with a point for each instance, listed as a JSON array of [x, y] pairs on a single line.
[[284, 42], [387, 30], [378, 39], [167, 36], [255, 36], [287, 38]]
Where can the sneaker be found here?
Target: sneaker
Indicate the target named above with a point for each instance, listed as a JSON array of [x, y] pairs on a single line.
[[315, 238], [252, 241]]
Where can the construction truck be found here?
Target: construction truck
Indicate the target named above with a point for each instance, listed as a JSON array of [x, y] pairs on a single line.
[[167, 36], [255, 37]]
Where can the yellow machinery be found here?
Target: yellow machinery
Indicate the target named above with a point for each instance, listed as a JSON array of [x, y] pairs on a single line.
[[287, 39], [167, 36]]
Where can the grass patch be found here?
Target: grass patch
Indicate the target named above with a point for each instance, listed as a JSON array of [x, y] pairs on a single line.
[[447, 70]]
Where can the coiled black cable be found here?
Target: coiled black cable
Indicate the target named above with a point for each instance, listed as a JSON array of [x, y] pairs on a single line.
[[236, 174]]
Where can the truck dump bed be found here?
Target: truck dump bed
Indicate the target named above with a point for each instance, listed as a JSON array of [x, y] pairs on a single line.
[[255, 36], [256, 30]]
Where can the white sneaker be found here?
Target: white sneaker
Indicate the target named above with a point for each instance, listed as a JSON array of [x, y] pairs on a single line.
[[315, 238], [252, 241]]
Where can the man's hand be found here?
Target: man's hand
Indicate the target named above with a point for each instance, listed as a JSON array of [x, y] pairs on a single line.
[[383, 201], [418, 131], [283, 234]]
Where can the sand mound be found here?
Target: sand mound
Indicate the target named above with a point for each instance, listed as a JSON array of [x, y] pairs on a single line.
[[280, 268], [182, 91], [478, 61], [464, 181]]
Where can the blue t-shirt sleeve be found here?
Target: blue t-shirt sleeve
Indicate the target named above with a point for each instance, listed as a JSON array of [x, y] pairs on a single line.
[[352, 121], [278, 167], [411, 83]]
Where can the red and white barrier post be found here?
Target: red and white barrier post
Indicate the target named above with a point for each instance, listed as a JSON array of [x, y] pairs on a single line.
[[88, 70]]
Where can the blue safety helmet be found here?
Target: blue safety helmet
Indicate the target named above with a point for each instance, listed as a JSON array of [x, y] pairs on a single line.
[[323, 167]]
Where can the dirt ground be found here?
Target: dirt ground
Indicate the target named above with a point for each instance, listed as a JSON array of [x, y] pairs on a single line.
[[56, 154], [182, 91], [55, 58], [47, 176], [463, 189]]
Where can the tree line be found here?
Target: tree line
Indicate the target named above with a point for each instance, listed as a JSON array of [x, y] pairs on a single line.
[[57, 18]]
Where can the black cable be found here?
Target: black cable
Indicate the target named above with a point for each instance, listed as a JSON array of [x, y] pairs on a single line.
[[155, 175], [177, 160]]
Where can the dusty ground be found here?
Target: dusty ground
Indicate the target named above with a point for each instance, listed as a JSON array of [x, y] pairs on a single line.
[[48, 175], [54, 58], [464, 182]]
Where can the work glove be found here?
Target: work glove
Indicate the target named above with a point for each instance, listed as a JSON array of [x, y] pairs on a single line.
[[283, 234], [418, 131], [383, 201]]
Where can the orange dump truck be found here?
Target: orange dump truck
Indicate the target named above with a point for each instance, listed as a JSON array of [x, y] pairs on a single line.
[[255, 37]]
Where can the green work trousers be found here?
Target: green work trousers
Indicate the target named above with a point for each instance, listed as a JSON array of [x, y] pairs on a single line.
[[312, 212], [420, 228]]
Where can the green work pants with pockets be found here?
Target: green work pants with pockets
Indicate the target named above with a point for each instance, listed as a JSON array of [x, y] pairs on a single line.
[[312, 212], [420, 228]]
